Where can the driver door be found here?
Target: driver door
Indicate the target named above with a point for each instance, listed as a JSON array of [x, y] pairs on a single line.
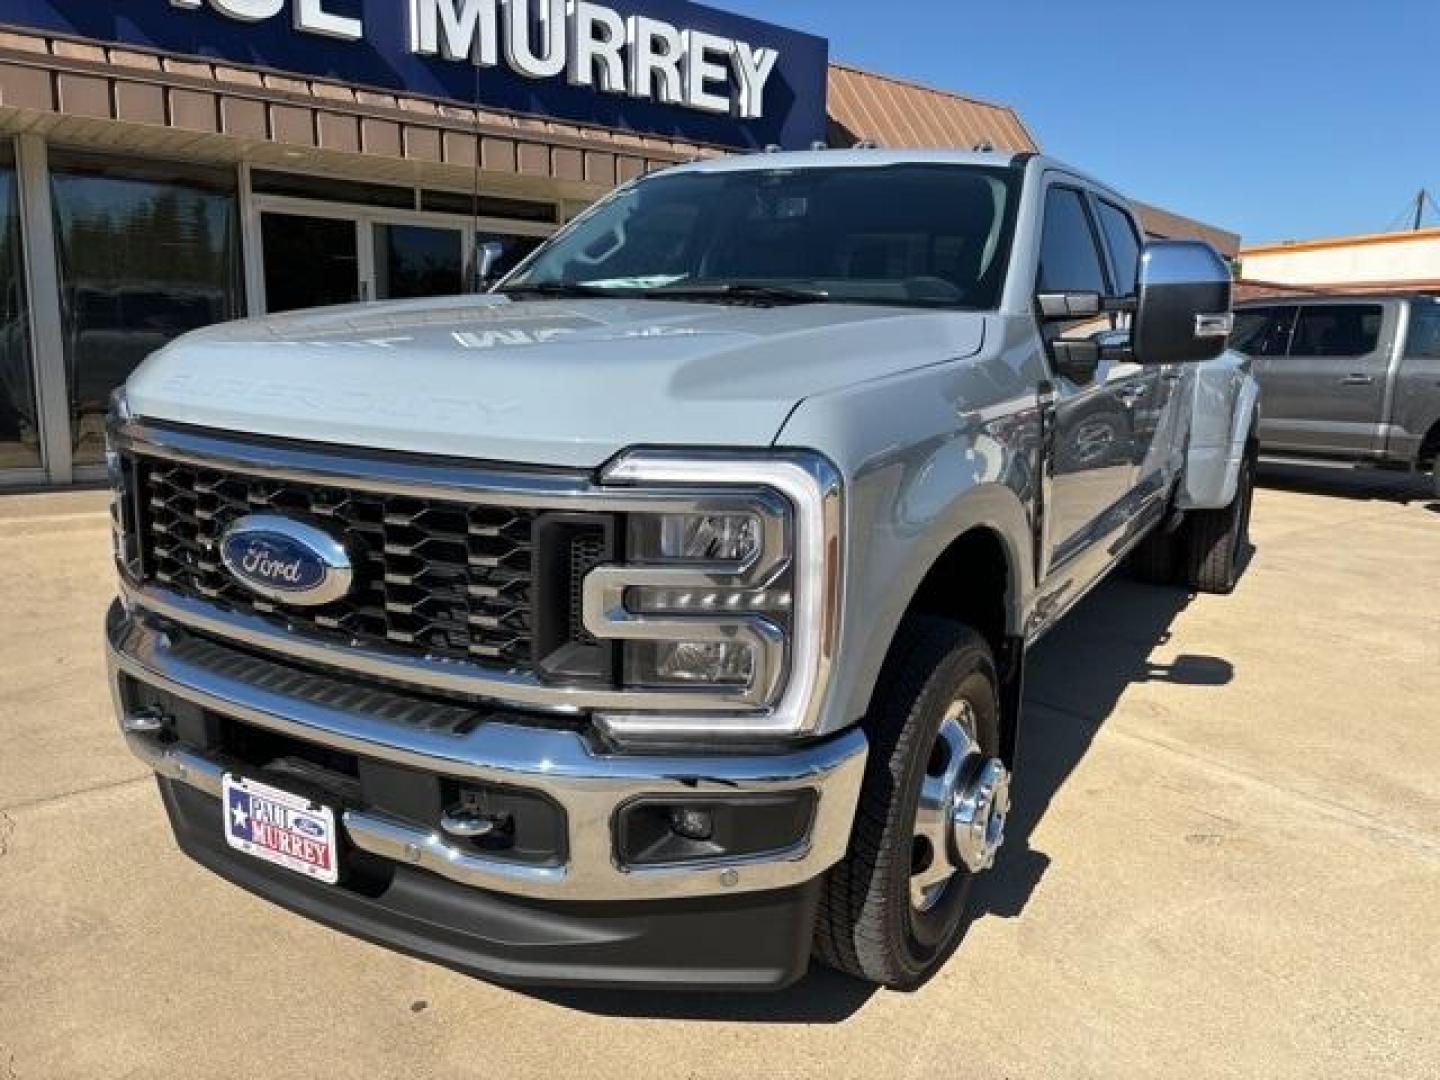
[[1097, 441]]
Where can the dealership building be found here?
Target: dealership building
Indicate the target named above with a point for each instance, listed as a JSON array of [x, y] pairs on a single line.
[[165, 164]]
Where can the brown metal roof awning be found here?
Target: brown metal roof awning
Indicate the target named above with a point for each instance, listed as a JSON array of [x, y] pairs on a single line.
[[865, 107], [139, 101]]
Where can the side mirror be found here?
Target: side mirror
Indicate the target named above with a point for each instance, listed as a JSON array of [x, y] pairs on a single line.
[[487, 257], [1183, 315]]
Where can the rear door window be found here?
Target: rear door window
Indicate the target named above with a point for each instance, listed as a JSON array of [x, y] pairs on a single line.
[[1263, 331], [1337, 330], [1424, 329], [1124, 244]]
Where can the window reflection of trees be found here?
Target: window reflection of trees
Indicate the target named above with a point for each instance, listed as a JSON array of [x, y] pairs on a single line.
[[19, 426], [146, 254]]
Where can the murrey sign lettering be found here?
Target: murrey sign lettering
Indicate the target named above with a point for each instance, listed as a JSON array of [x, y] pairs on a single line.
[[590, 44]]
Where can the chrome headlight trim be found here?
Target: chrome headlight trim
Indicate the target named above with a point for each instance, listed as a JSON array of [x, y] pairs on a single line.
[[813, 489]]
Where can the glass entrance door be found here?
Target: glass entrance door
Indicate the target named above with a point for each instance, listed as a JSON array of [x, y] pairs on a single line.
[[417, 260], [313, 253], [309, 261]]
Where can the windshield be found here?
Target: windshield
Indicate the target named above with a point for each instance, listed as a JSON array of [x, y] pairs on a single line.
[[916, 234]]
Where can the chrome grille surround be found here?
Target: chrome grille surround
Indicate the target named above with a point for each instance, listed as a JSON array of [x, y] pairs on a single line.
[[680, 713]]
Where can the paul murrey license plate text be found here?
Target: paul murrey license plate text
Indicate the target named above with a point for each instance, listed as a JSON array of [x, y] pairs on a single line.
[[281, 828]]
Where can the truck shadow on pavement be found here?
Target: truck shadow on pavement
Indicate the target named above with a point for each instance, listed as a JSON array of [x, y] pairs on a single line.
[[1076, 678]]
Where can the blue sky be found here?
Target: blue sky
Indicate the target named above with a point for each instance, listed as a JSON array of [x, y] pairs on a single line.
[[1278, 119]]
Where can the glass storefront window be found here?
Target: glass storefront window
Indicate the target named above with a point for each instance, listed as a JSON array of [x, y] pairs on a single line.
[[19, 428], [417, 260], [147, 251], [309, 261]]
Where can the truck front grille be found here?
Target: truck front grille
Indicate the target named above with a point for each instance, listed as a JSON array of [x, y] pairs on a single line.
[[448, 580]]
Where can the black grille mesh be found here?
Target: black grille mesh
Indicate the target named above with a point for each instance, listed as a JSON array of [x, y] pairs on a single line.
[[441, 579], [587, 551]]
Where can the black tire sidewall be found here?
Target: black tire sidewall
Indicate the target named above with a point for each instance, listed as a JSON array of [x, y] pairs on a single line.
[[1244, 501], [924, 939]]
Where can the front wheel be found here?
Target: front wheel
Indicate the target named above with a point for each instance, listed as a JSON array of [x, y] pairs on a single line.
[[932, 809]]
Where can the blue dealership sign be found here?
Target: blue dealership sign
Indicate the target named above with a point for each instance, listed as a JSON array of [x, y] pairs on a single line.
[[664, 67]]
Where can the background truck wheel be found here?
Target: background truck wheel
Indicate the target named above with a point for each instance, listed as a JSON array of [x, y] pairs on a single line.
[[1215, 540], [932, 809]]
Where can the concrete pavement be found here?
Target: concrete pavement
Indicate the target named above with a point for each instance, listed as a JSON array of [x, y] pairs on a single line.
[[1225, 861]]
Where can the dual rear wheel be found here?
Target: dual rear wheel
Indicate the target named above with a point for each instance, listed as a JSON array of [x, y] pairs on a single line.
[[1207, 551]]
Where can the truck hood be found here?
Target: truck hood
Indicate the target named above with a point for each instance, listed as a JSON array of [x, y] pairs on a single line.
[[550, 382]]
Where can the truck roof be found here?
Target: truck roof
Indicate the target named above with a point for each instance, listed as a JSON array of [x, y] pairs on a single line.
[[878, 158], [810, 159], [1318, 296]]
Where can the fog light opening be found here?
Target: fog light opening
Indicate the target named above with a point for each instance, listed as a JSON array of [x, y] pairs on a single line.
[[692, 823]]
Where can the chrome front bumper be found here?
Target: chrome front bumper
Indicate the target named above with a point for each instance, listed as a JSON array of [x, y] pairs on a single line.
[[589, 784]]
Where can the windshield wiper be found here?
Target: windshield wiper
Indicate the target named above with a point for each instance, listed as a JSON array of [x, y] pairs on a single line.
[[555, 289], [740, 292]]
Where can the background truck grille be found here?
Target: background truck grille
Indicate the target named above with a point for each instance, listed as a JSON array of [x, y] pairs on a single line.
[[442, 579]]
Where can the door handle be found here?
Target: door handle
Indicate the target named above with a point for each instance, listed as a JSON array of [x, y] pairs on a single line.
[[1358, 380]]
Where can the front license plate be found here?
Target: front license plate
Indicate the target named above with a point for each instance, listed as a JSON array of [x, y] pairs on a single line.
[[287, 830]]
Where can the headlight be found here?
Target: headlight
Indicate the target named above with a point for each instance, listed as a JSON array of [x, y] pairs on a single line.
[[728, 597], [700, 537]]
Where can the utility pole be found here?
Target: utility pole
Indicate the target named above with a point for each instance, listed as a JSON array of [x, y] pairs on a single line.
[[1420, 198]]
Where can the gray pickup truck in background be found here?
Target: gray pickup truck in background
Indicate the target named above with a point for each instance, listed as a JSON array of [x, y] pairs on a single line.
[[1348, 378], [661, 617]]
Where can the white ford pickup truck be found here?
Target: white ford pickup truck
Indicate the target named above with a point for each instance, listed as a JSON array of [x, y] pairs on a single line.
[[661, 616]]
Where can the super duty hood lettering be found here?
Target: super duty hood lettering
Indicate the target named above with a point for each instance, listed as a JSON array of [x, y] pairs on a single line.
[[544, 381]]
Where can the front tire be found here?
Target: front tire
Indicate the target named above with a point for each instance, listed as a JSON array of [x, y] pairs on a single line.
[[932, 809]]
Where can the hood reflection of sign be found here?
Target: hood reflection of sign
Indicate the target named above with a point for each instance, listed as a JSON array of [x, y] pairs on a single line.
[[591, 44]]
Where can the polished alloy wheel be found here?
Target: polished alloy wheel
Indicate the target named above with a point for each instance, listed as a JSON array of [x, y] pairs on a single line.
[[960, 821]]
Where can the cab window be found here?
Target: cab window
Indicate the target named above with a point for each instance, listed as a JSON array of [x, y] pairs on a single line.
[[1069, 256], [1424, 329], [1263, 331], [1337, 330], [1124, 243]]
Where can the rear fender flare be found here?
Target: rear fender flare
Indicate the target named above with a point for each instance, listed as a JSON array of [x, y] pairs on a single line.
[[1225, 411]]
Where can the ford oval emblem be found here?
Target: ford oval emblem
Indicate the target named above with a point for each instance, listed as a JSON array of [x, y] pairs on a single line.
[[287, 560], [310, 828]]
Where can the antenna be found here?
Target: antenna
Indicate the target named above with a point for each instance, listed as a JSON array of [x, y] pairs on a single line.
[[1420, 199], [476, 271]]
